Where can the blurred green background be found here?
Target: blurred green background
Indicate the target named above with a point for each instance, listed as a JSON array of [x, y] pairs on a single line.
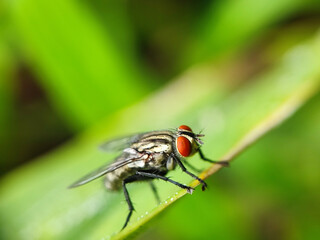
[[74, 73]]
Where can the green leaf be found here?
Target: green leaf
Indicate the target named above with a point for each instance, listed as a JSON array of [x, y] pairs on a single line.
[[36, 204], [227, 26], [76, 60], [6, 101], [276, 181]]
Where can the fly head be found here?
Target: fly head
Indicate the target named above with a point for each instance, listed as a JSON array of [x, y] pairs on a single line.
[[187, 142]]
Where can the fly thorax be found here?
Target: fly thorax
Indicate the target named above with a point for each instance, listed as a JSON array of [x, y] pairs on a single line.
[[137, 164], [153, 146], [159, 148], [156, 160], [162, 148]]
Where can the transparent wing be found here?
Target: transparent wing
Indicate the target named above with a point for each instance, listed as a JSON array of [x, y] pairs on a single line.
[[121, 161], [119, 144]]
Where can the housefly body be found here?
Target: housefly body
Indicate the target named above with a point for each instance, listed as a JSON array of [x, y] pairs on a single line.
[[147, 156]]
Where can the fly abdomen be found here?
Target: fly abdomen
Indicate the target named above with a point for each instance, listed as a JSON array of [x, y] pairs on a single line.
[[113, 180]]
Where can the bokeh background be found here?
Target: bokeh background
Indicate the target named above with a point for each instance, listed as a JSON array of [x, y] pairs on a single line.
[[68, 67]]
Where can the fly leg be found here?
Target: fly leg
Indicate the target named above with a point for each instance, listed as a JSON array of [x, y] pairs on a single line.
[[155, 192], [223, 163], [128, 200], [156, 176], [204, 185], [192, 167], [141, 176]]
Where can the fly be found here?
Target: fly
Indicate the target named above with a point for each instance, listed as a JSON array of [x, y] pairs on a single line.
[[148, 156]]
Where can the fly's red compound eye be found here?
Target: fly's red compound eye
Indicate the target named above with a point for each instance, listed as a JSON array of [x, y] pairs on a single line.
[[184, 146], [185, 127]]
